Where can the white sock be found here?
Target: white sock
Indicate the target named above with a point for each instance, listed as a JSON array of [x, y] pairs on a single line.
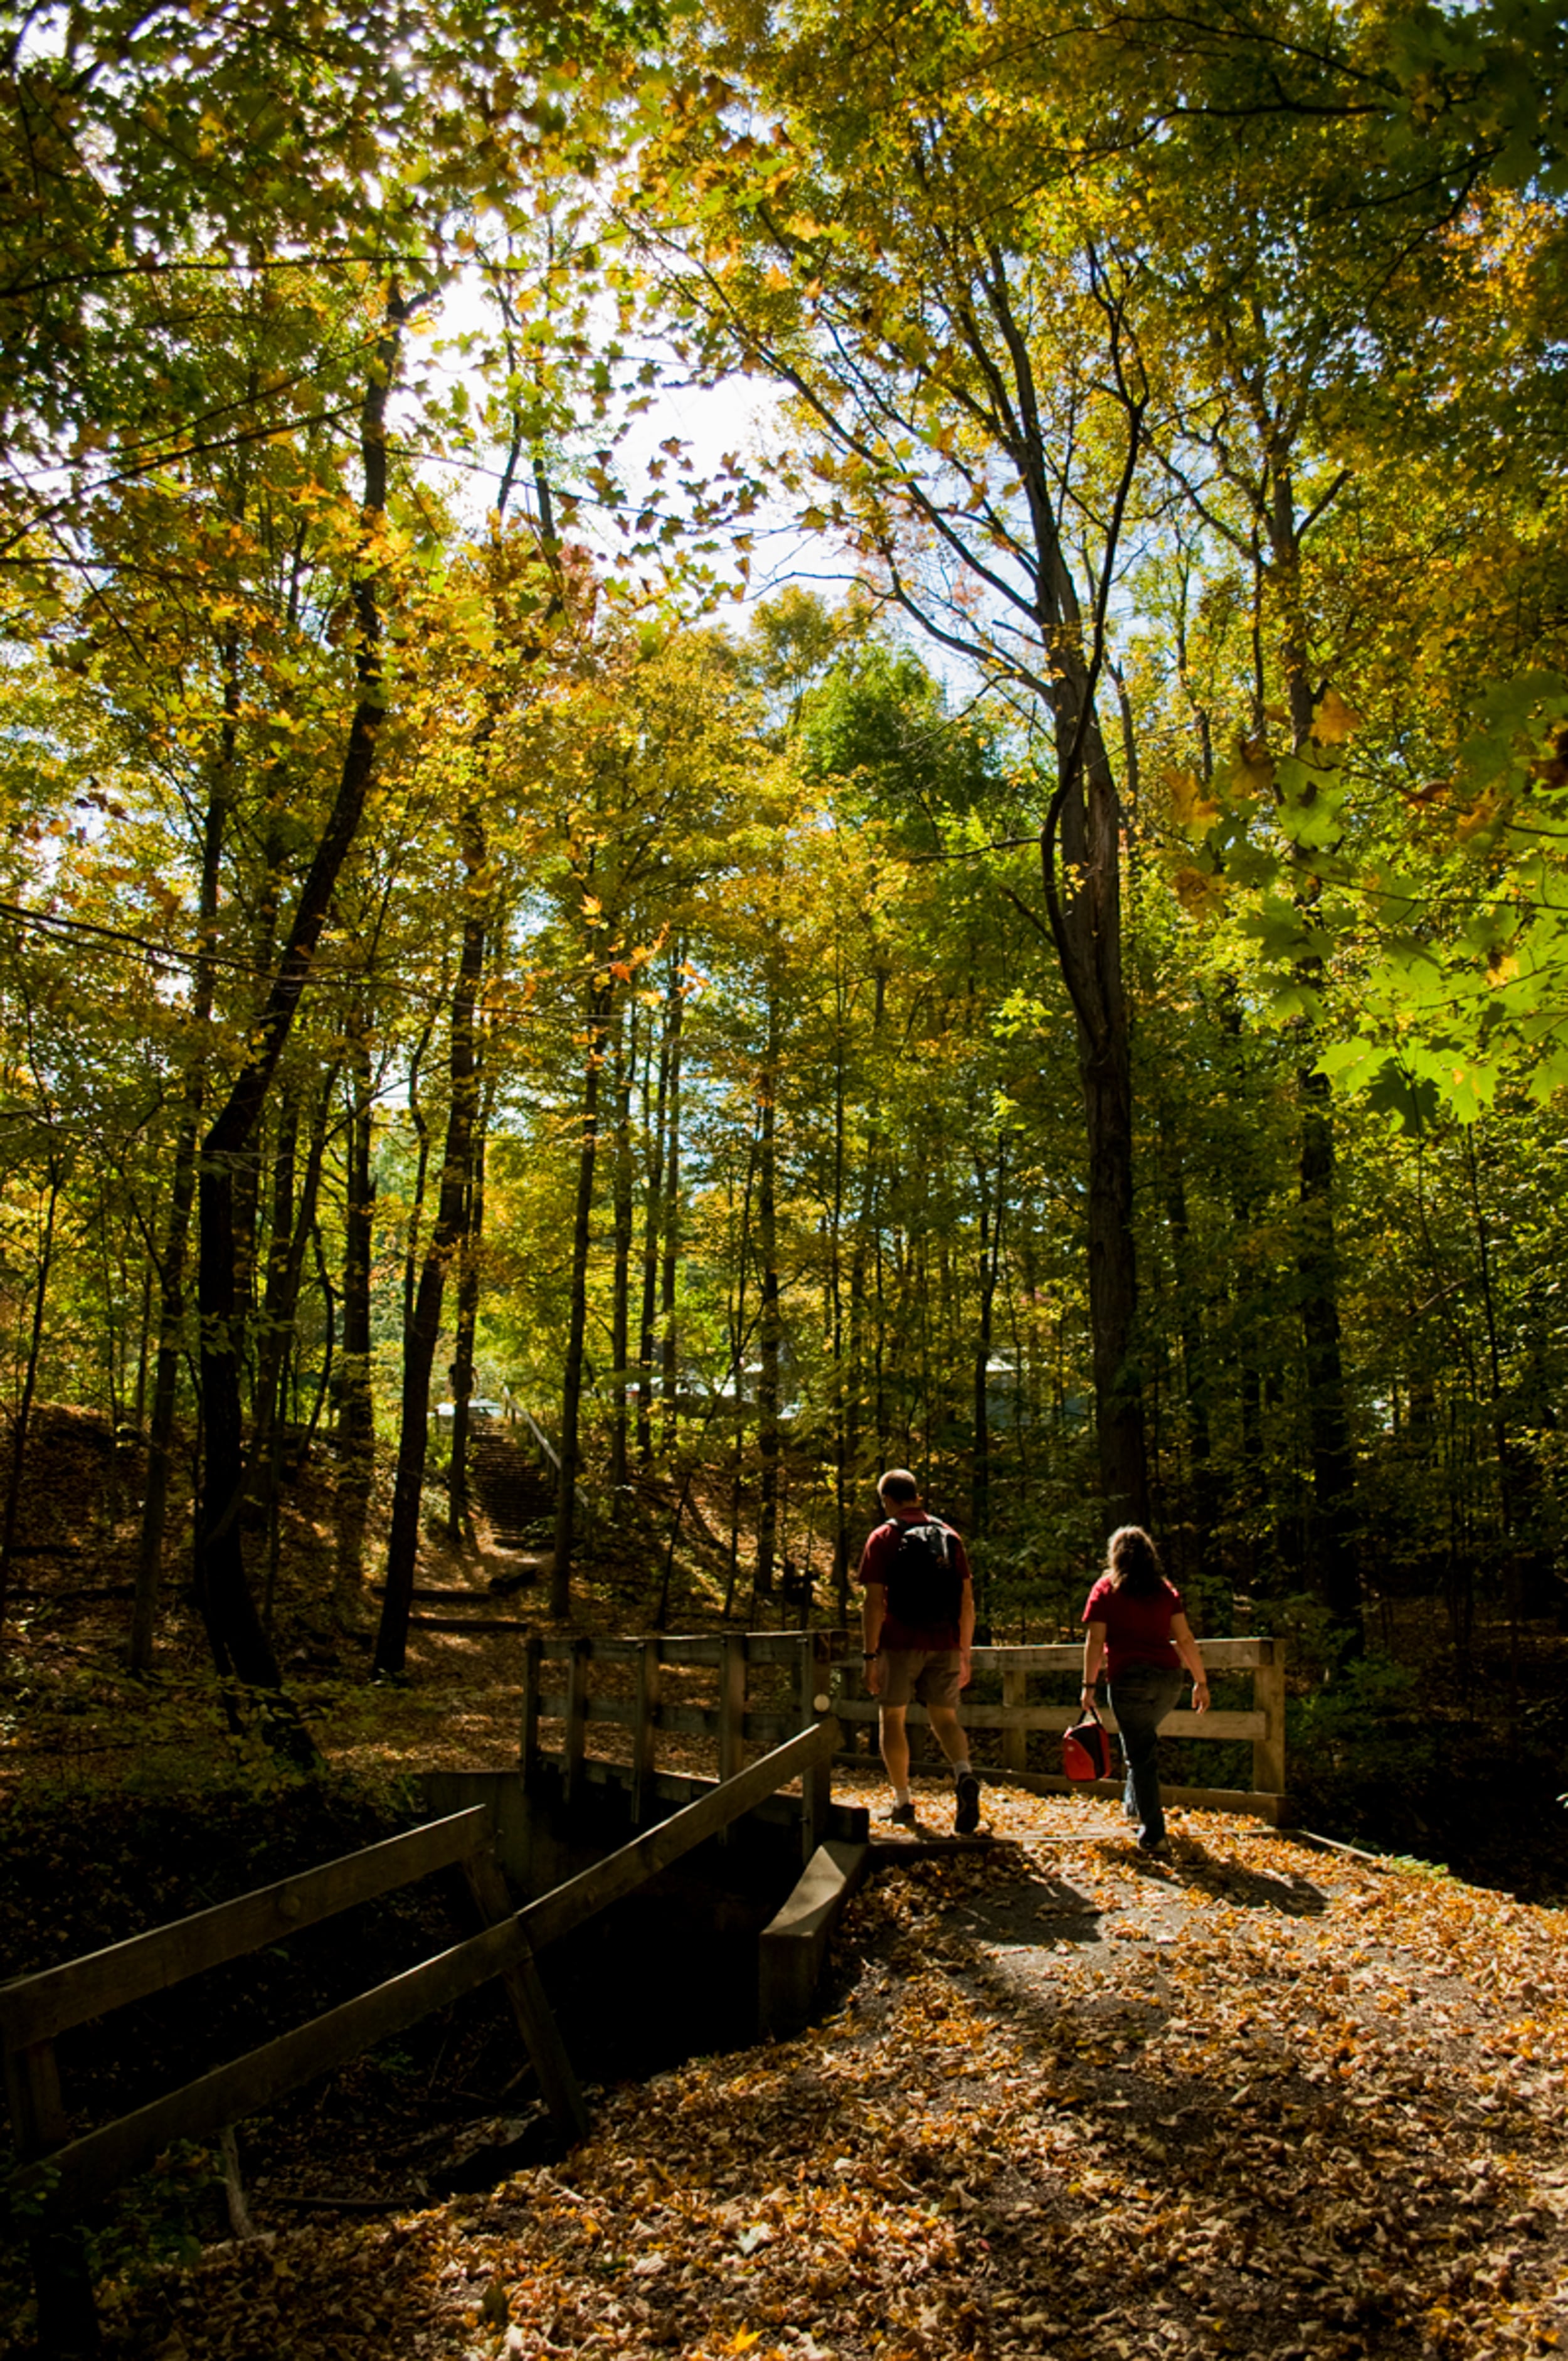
[[901, 1796], [961, 1770]]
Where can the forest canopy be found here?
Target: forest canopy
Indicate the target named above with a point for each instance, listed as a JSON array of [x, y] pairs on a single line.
[[1011, 921]]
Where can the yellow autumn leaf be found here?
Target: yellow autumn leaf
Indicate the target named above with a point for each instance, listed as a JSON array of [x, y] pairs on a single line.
[[1197, 891], [1334, 720], [1253, 767], [1191, 806]]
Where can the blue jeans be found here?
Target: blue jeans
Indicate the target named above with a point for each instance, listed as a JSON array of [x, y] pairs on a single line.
[[1141, 1696]]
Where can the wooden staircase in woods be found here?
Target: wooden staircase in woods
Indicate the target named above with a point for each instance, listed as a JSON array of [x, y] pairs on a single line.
[[513, 1492]]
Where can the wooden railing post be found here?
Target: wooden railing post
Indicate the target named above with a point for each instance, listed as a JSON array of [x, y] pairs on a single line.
[[644, 1731], [1268, 1698], [816, 1780], [576, 1744], [528, 1749], [1015, 1742], [68, 2317], [732, 1709], [532, 2010]]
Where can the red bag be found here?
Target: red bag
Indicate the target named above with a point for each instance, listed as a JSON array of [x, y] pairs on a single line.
[[1086, 1748]]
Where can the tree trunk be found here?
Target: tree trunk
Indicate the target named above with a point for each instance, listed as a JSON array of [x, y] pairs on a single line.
[[990, 1270], [239, 1644], [424, 1329], [470, 1266], [620, 1305], [1194, 1360], [672, 1239], [1317, 1268], [25, 1406], [768, 1330], [1084, 830], [836, 1329], [356, 1409], [1317, 1259], [572, 1376], [181, 1202], [653, 1222]]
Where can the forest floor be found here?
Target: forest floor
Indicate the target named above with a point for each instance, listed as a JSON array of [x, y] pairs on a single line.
[[1264, 2100], [1257, 2100]]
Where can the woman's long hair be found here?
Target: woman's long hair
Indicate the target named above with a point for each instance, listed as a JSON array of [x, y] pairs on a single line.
[[1133, 1563]]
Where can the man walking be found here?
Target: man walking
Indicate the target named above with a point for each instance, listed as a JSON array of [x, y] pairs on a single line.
[[918, 1618]]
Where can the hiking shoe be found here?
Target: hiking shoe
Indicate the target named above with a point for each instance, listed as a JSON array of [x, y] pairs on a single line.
[[966, 1819], [1157, 1845], [902, 1817]]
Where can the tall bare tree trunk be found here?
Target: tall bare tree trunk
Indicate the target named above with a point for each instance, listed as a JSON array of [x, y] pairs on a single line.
[[652, 1230], [355, 1404], [769, 1329], [620, 1304], [1317, 1254], [182, 1200], [470, 1269], [670, 1245], [240, 1645], [29, 1383], [577, 1337], [423, 1329]]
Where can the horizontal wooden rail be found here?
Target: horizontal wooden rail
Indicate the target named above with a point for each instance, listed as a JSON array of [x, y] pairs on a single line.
[[1213, 1724], [1220, 1655], [74, 2176], [34, 2008], [690, 1720], [696, 1648], [736, 1718], [556, 1912]]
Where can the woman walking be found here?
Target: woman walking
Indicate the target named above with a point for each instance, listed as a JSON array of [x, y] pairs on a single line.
[[1137, 1625]]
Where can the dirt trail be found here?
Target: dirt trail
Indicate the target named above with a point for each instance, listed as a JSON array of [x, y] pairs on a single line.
[[1259, 2101]]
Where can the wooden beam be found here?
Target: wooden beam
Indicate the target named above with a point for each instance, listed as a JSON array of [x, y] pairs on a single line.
[[1214, 1725], [1268, 1746], [556, 1912], [846, 1823], [1220, 1655], [700, 1647], [816, 1780], [528, 1738], [842, 1642], [72, 2177], [534, 2017], [477, 1624], [1016, 1735], [33, 2008], [1247, 1802], [644, 1730], [577, 1717], [732, 1705]]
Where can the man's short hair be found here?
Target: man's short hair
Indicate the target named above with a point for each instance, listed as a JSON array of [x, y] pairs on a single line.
[[897, 1485]]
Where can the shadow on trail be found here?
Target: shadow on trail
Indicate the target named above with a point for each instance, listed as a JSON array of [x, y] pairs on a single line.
[[1191, 1870]]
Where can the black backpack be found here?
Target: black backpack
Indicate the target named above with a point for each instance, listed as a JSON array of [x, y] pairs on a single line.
[[923, 1587]]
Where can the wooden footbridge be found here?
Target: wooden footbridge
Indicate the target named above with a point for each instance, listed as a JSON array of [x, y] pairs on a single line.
[[589, 1781]]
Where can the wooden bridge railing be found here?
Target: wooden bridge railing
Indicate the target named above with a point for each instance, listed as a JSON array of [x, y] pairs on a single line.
[[58, 2176], [806, 1674]]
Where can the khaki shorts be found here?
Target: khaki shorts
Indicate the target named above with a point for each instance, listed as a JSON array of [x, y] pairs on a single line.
[[929, 1674]]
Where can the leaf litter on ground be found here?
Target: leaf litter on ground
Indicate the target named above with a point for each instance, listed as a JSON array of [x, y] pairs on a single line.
[[1254, 2100]]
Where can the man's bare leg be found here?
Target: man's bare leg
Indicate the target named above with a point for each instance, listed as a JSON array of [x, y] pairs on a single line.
[[949, 1735]]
